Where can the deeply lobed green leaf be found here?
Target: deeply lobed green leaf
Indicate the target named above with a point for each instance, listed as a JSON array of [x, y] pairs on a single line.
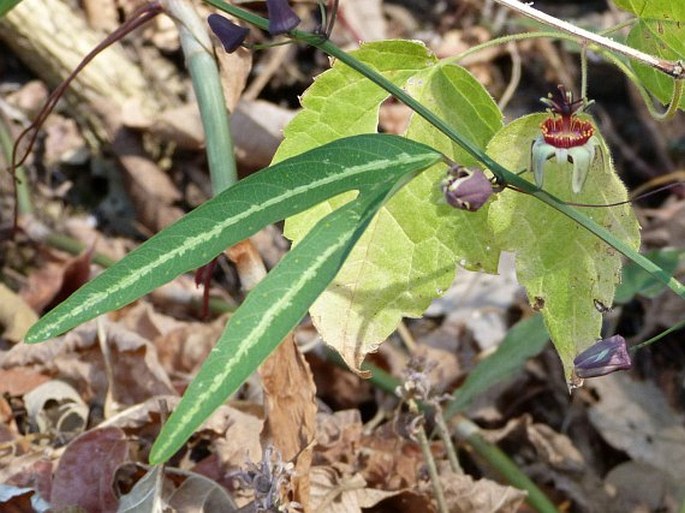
[[272, 309], [356, 163]]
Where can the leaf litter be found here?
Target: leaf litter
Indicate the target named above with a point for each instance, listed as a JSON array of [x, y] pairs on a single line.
[[79, 413]]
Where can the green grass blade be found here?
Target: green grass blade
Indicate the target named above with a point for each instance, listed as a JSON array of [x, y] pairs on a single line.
[[274, 193], [268, 313], [523, 341]]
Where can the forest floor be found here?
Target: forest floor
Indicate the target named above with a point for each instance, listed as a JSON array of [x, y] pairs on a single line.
[[79, 413]]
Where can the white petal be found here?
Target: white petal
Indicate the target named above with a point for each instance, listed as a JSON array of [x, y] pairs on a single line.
[[540, 152], [582, 160]]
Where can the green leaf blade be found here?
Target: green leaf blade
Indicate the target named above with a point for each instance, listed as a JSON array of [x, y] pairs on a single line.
[[407, 257], [238, 212], [7, 5], [566, 270], [665, 40], [266, 316], [666, 10]]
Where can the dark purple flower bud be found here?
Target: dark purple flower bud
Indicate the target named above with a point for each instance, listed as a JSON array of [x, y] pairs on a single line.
[[467, 190], [606, 356], [282, 18], [230, 34]]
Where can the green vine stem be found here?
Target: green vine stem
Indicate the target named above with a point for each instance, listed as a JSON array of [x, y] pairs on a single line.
[[198, 50], [499, 171], [676, 96], [674, 69], [584, 47], [422, 439], [471, 434]]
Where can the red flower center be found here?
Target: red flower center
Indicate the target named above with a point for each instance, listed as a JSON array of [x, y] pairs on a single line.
[[566, 131]]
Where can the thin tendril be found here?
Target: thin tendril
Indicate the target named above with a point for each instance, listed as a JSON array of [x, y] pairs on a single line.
[[661, 335], [141, 16]]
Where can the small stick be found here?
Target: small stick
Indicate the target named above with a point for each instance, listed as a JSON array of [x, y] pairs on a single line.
[[674, 69]]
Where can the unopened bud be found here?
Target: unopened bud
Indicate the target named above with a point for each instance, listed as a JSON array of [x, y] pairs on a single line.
[[282, 18], [604, 357], [465, 189], [230, 34]]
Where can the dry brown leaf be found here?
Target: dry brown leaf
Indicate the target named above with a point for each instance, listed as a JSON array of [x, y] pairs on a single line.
[[257, 128], [390, 461], [364, 18], [634, 417], [466, 495], [185, 348], [29, 98], [234, 69], [642, 487], [76, 357], [290, 401], [181, 125], [555, 448], [33, 470], [19, 380], [338, 436], [149, 188], [333, 493], [15, 314], [393, 117], [241, 441], [85, 474]]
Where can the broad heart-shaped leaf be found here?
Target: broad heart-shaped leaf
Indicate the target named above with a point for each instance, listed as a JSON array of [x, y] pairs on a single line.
[[356, 163], [667, 10], [567, 271], [407, 257], [663, 39], [269, 312]]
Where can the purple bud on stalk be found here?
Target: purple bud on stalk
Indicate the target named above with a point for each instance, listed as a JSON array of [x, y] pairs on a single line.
[[282, 18], [467, 190], [230, 34], [604, 357]]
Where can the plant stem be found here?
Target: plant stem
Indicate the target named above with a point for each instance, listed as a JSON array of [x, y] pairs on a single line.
[[198, 50], [646, 98], [678, 326], [500, 172], [673, 69], [21, 184], [444, 432], [428, 458], [489, 452], [470, 433]]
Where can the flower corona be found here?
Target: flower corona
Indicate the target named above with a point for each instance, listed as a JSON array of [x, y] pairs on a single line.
[[565, 136]]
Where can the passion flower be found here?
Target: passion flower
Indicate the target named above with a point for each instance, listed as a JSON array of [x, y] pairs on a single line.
[[565, 136]]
